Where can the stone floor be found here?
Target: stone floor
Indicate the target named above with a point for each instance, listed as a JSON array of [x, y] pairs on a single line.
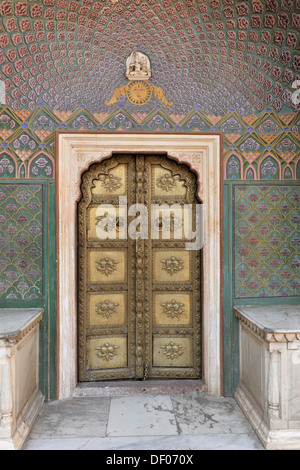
[[142, 421]]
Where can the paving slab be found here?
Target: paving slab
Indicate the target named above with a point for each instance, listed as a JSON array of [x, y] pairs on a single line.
[[151, 443], [80, 417], [197, 413], [141, 416], [177, 443], [175, 422]]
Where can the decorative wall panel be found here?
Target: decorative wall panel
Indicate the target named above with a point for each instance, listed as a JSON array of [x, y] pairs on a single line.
[[21, 242], [266, 241], [28, 146]]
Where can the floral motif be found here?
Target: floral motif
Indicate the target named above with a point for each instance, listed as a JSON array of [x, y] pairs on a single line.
[[107, 308], [257, 6], [107, 351], [21, 9], [18, 245], [111, 182], [36, 11], [167, 182], [172, 350], [181, 19], [106, 266], [233, 168], [265, 248], [269, 168], [173, 309], [7, 167], [172, 265], [269, 21], [6, 8]]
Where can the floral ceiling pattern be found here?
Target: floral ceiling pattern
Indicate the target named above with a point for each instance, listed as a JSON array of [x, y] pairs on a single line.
[[216, 54]]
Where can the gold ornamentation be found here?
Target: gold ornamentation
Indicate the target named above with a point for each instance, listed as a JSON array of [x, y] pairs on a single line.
[[167, 182], [172, 265], [138, 66], [172, 350], [107, 351], [109, 219], [173, 309], [158, 93], [107, 308], [118, 92], [139, 93], [106, 266], [111, 182], [133, 357]]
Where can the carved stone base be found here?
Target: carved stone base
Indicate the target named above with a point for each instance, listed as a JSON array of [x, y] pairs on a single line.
[[268, 392], [20, 397], [287, 439], [25, 422]]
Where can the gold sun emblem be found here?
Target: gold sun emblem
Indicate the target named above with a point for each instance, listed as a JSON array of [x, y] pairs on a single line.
[[138, 92]]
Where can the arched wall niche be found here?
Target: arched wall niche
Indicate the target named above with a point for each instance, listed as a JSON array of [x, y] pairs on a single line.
[[75, 152]]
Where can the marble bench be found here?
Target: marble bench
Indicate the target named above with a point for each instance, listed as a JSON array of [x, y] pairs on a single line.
[[20, 397], [269, 389]]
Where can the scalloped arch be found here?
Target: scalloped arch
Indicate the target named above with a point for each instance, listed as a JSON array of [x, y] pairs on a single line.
[[233, 167], [269, 168]]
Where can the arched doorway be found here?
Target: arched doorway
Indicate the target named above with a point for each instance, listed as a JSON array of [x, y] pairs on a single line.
[[75, 152]]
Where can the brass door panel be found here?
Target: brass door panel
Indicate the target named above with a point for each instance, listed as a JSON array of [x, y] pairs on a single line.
[[107, 309], [171, 265], [106, 275], [138, 299], [107, 265], [172, 352], [172, 309], [107, 353]]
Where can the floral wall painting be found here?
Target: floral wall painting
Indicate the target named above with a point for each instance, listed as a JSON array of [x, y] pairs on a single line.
[[224, 66]]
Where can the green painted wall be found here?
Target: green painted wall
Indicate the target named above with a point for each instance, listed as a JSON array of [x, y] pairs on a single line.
[[284, 291], [27, 260], [263, 155]]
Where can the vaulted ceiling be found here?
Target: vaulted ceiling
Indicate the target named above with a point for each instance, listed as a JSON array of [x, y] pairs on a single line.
[[211, 54]]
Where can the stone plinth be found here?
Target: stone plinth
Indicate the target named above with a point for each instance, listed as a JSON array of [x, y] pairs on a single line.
[[20, 398], [269, 390]]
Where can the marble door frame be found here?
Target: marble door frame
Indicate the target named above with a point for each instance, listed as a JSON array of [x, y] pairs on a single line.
[[75, 152]]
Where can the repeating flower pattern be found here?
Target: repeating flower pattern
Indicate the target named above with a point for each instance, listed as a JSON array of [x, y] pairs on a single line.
[[21, 216], [266, 240], [232, 65], [58, 52]]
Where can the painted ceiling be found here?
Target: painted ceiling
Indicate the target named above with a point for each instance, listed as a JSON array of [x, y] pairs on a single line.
[[215, 55]]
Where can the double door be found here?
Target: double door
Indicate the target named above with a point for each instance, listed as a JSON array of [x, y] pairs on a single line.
[[138, 284]]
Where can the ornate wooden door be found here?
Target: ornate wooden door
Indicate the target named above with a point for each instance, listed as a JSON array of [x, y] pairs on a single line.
[[138, 290]]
